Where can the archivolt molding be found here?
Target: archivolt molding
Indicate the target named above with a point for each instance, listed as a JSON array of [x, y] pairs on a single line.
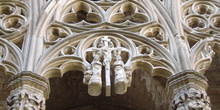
[[14, 17], [109, 49], [73, 48], [98, 48]]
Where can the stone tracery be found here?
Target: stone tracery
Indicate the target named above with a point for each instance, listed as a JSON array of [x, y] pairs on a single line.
[[86, 36], [81, 13], [14, 19], [199, 15]]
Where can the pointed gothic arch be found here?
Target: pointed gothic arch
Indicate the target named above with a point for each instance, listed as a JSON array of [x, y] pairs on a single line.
[[168, 40]]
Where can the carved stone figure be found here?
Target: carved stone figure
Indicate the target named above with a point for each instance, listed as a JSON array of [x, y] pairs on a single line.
[[25, 100], [128, 75], [120, 76], [191, 99], [95, 83], [87, 75], [107, 52]]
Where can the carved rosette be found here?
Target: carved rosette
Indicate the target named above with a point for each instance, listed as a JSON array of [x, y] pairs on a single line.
[[28, 91], [188, 89]]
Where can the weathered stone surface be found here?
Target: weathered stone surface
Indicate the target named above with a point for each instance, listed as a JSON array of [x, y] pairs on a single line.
[[58, 38], [213, 77], [70, 93]]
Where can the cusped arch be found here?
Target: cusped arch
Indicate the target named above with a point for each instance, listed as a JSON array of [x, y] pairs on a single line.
[[57, 67], [53, 59], [119, 41], [80, 12], [133, 12]]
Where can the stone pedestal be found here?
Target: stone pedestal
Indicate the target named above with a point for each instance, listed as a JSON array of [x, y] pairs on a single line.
[[188, 90], [28, 91]]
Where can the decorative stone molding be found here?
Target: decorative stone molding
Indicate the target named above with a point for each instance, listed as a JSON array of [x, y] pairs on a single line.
[[191, 99], [14, 17], [27, 91], [128, 12], [81, 13], [188, 90], [24, 100], [10, 57], [201, 55], [200, 19]]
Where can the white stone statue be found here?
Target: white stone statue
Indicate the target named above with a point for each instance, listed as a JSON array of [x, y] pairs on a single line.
[[95, 83], [120, 76], [87, 75]]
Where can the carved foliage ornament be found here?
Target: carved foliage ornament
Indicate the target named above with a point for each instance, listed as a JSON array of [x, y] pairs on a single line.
[[191, 99], [25, 100]]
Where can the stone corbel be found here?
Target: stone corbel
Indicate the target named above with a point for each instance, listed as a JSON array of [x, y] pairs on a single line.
[[28, 91], [188, 90]]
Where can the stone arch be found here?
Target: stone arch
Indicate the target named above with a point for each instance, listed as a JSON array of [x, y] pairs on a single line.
[[11, 57], [142, 53], [55, 50]]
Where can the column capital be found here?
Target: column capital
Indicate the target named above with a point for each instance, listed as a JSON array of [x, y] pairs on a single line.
[[27, 90], [185, 80], [188, 90]]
